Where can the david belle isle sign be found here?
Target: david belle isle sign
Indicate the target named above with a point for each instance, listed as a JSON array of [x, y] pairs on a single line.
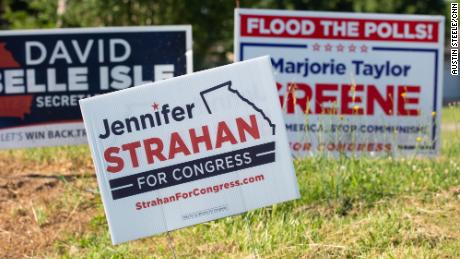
[[43, 74], [351, 83], [189, 149]]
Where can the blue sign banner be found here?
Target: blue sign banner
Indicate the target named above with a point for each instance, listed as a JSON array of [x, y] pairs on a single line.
[[44, 73]]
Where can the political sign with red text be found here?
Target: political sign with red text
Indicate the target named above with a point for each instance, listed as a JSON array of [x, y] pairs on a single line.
[[351, 83], [190, 149]]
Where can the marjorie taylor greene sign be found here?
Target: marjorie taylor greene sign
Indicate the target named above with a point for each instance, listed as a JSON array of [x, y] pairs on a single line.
[[189, 149], [351, 83], [43, 74]]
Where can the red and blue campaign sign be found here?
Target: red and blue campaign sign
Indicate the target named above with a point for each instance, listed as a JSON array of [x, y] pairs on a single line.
[[44, 73], [351, 83], [212, 147]]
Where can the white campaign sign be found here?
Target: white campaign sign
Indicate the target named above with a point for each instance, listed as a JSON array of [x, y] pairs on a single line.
[[190, 149], [351, 83]]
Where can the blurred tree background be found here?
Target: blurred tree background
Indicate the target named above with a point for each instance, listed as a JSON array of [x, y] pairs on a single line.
[[212, 20]]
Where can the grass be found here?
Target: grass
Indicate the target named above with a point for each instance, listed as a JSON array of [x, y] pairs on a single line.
[[451, 114], [370, 207]]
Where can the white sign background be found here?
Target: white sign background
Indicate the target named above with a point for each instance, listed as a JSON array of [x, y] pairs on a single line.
[[219, 96], [374, 133]]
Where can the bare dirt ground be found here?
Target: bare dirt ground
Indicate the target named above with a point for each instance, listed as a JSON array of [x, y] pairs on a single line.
[[35, 208], [49, 200]]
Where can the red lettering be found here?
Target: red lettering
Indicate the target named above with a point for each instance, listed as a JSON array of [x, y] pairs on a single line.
[[131, 147], [196, 140], [110, 157], [151, 153], [243, 127], [387, 147], [321, 99], [177, 145], [303, 102], [326, 96], [224, 134], [347, 99], [373, 96], [279, 87], [404, 99]]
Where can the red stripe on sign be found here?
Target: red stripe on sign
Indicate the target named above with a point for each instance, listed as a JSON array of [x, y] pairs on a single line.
[[338, 28], [42, 124], [15, 106]]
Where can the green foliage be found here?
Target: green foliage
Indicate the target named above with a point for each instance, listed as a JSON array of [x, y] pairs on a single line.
[[30, 14], [368, 207], [212, 20], [348, 208]]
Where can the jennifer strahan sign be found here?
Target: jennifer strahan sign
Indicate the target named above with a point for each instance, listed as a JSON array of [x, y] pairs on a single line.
[[190, 149], [43, 74], [351, 83]]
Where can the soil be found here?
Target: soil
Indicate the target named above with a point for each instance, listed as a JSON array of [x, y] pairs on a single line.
[[34, 212]]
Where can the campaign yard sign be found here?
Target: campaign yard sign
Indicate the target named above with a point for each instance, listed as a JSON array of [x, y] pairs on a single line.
[[43, 74], [190, 149], [351, 83]]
